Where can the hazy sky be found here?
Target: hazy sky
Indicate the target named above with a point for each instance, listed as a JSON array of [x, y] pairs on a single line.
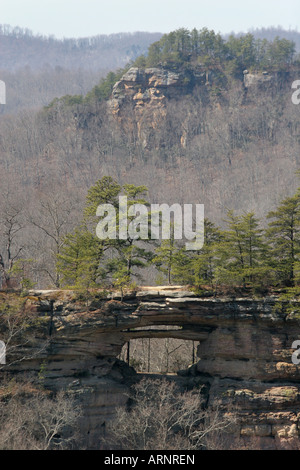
[[79, 18]]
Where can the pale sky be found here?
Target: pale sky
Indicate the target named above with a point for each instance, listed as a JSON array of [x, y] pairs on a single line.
[[81, 18]]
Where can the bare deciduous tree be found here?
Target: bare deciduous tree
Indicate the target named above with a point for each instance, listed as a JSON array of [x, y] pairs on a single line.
[[11, 224], [32, 420], [18, 329], [164, 418], [54, 217]]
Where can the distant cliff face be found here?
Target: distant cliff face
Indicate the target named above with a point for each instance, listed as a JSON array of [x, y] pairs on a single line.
[[141, 96], [245, 354], [146, 92], [150, 85], [229, 143]]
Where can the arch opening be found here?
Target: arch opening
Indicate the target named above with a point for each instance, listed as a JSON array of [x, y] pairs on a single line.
[[161, 349]]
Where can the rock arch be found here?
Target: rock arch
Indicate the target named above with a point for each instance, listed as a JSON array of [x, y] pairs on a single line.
[[244, 352]]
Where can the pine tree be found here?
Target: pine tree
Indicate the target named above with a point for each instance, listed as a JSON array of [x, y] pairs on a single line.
[[164, 258], [257, 269], [243, 252], [132, 252], [205, 262], [283, 235], [79, 260], [174, 261], [104, 191], [182, 266], [86, 259]]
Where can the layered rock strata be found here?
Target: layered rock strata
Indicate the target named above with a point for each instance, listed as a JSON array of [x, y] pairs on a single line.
[[245, 353]]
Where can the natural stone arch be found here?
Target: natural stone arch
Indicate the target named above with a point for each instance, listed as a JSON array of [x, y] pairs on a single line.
[[244, 346]]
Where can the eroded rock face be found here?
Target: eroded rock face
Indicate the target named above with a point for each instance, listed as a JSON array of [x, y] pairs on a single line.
[[245, 354], [146, 92], [144, 86], [139, 101], [258, 79]]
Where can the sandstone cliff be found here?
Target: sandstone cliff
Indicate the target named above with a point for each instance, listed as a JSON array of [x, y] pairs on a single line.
[[244, 354], [139, 99], [146, 92]]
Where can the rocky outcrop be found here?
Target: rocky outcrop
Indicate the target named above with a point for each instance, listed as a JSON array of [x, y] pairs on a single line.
[[150, 86], [145, 92], [257, 79], [245, 353], [140, 98]]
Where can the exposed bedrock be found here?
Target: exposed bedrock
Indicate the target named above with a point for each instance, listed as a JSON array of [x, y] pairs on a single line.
[[245, 353]]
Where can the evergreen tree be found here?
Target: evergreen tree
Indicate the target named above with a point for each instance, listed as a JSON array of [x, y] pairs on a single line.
[[182, 266], [283, 235], [242, 52], [281, 52], [243, 252], [164, 258], [104, 191], [195, 43], [154, 54], [173, 260], [205, 262], [132, 252], [86, 259], [79, 260]]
